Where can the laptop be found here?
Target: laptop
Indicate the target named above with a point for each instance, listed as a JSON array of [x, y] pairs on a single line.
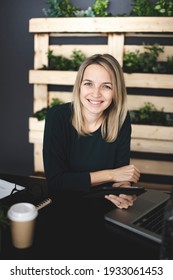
[[145, 217]]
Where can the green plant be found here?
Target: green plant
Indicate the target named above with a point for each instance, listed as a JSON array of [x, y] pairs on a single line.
[[148, 114], [145, 62], [145, 112], [63, 8], [163, 8], [141, 8], [77, 58], [60, 62], [99, 8], [59, 8], [4, 222], [169, 64], [146, 8], [41, 114]]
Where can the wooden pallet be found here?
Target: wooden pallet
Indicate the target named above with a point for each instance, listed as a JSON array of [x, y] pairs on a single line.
[[114, 31]]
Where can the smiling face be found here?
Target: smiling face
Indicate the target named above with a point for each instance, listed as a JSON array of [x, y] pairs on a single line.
[[96, 91]]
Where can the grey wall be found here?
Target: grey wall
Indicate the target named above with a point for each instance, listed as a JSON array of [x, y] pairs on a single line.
[[16, 94]]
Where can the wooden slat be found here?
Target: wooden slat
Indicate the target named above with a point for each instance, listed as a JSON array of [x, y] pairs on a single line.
[[160, 102], [152, 132], [132, 80], [153, 167], [38, 158], [88, 50], [41, 43], [40, 97], [107, 24], [36, 125], [67, 50], [116, 46], [142, 80], [151, 146], [35, 136], [52, 77]]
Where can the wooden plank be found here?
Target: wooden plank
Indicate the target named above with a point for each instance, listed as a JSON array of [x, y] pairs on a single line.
[[35, 136], [41, 43], [152, 132], [67, 50], [52, 77], [36, 125], [40, 97], [38, 158], [153, 166], [142, 80], [116, 46], [160, 102], [102, 24], [132, 80], [151, 146], [155, 186]]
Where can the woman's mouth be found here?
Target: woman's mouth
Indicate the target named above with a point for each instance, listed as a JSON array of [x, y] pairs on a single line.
[[94, 102]]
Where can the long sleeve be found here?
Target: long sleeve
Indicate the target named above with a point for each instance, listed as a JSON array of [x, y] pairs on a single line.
[[56, 150], [122, 157]]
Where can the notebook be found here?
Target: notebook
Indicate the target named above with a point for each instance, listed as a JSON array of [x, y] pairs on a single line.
[[145, 217], [11, 193]]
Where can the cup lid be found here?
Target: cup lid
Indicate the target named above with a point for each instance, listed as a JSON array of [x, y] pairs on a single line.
[[22, 211]]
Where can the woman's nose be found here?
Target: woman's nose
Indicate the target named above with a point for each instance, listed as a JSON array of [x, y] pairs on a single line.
[[96, 91]]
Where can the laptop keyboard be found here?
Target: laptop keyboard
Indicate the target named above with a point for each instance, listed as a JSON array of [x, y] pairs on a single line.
[[153, 221]]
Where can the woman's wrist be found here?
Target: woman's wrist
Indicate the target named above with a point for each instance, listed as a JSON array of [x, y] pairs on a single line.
[[101, 177]]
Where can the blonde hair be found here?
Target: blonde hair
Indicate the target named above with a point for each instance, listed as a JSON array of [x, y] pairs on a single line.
[[114, 115]]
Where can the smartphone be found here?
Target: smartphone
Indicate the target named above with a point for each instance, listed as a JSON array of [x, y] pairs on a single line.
[[101, 191]]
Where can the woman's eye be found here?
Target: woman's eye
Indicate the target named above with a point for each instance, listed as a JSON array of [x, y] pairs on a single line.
[[107, 86], [87, 84]]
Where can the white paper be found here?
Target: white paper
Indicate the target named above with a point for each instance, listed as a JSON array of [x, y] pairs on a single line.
[[6, 188]]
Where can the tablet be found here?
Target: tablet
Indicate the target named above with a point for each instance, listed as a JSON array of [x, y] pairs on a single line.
[[101, 191]]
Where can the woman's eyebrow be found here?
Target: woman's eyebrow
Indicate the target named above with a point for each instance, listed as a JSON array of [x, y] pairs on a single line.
[[88, 80]]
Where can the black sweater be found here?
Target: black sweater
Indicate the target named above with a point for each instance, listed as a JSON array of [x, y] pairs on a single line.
[[69, 158]]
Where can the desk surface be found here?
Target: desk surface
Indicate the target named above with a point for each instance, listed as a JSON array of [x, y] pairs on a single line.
[[74, 228]]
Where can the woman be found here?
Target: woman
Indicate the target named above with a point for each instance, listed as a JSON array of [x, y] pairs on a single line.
[[87, 142]]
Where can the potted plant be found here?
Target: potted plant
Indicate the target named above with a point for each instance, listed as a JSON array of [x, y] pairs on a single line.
[[4, 222]]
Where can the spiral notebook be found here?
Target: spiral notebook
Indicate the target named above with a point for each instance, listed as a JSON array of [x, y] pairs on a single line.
[[11, 193]]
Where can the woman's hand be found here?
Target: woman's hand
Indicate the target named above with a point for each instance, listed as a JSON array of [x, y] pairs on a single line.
[[129, 173], [122, 200]]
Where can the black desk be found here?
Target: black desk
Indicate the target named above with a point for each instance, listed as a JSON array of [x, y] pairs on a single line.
[[74, 228]]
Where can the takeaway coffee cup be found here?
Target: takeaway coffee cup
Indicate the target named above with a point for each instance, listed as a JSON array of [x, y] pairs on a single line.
[[22, 218]]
